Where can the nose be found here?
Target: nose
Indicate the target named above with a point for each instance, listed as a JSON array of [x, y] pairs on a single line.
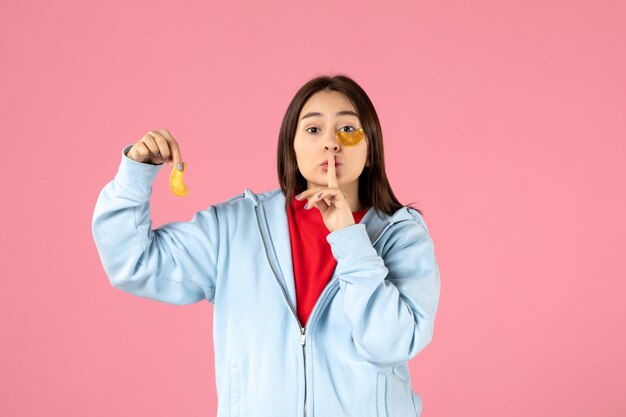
[[330, 142]]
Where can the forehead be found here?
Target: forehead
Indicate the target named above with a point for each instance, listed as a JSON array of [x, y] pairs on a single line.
[[327, 102]]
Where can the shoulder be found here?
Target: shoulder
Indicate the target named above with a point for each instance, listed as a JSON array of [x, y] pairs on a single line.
[[239, 211], [248, 198], [403, 217], [414, 216], [405, 227]]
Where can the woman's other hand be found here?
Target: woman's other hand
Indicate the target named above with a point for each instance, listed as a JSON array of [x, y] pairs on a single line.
[[157, 147]]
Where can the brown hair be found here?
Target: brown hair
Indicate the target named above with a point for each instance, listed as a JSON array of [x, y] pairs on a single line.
[[374, 188]]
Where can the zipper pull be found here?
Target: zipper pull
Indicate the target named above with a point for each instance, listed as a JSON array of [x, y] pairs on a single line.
[[303, 337]]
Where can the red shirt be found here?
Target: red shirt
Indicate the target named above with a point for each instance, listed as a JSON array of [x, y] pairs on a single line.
[[313, 260]]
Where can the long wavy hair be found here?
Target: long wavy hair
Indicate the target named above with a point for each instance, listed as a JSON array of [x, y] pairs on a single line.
[[374, 188]]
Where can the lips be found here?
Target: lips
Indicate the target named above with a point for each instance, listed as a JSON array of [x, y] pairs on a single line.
[[325, 163]]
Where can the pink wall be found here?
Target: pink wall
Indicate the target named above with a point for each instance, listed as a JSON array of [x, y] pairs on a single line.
[[505, 120]]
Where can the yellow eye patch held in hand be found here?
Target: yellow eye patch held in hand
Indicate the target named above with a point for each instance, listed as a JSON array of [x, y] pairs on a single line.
[[177, 185], [350, 138]]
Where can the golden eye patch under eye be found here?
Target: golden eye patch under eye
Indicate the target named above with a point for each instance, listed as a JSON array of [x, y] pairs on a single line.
[[177, 185], [350, 138]]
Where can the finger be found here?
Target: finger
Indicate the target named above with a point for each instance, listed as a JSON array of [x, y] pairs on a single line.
[[332, 175], [329, 197], [139, 152], [150, 143], [309, 192], [311, 196], [174, 148], [167, 134], [177, 159], [164, 149], [322, 205]]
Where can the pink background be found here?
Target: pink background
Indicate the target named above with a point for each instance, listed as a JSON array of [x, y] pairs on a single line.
[[504, 120]]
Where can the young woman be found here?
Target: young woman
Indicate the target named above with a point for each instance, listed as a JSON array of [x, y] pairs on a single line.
[[323, 290]]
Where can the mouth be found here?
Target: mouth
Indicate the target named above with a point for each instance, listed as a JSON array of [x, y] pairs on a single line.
[[325, 164]]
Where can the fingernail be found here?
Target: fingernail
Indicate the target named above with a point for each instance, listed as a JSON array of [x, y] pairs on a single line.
[[298, 196], [320, 194], [334, 157], [306, 206], [180, 166], [158, 153]]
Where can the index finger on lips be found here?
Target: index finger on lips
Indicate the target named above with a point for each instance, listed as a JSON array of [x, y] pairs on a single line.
[[332, 175]]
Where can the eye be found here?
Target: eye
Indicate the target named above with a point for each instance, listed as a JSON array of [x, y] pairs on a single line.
[[348, 131], [311, 128]]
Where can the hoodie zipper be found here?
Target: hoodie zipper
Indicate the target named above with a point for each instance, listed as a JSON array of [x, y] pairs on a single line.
[[282, 288], [319, 304], [322, 298], [303, 343]]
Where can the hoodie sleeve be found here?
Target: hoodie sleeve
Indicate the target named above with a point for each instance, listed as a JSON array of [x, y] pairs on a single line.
[[390, 302], [175, 263]]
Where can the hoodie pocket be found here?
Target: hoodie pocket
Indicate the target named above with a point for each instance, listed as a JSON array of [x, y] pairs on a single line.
[[381, 395], [234, 390]]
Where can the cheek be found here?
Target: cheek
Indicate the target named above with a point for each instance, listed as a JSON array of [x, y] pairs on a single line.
[[302, 151], [361, 153], [297, 147], [301, 159]]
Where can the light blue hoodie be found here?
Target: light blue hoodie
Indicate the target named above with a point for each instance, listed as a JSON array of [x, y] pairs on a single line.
[[376, 313]]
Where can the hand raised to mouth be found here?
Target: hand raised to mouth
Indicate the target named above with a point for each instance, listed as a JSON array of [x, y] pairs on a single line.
[[331, 201]]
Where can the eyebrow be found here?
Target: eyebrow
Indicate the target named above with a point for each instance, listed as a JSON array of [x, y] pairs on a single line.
[[341, 113]]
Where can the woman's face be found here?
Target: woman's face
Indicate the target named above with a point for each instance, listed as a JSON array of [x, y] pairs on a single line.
[[322, 115]]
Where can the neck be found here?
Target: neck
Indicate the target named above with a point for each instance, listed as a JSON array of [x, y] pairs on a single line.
[[353, 199]]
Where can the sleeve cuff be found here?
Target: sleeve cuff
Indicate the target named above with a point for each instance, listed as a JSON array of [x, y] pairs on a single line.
[[351, 244], [134, 177]]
